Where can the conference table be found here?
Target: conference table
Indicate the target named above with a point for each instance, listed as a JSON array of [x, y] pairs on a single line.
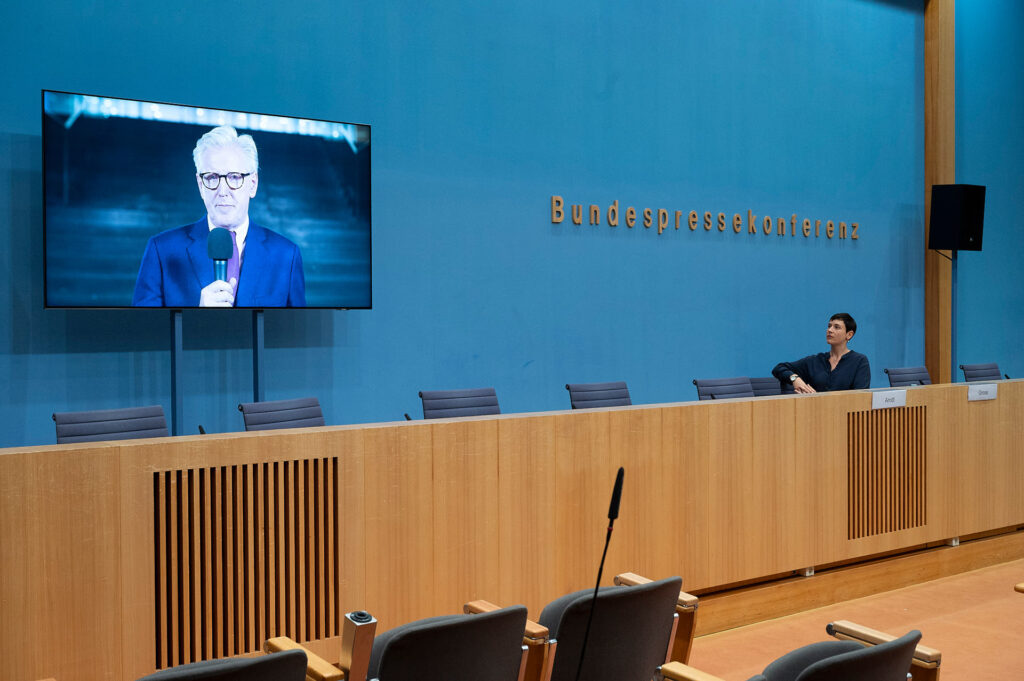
[[119, 558]]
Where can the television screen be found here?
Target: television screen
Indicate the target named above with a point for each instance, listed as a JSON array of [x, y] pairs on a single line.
[[162, 205]]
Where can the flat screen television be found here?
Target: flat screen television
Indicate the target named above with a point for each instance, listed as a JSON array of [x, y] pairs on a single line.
[[135, 191]]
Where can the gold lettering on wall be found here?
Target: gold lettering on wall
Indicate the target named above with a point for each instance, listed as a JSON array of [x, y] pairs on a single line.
[[557, 214], [710, 219], [662, 220]]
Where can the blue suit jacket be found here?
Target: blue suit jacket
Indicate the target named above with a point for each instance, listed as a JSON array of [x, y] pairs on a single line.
[[176, 267]]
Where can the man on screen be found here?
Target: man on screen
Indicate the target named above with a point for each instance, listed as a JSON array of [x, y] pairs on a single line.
[[265, 269]]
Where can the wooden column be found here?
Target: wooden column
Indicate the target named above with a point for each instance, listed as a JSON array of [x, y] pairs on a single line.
[[939, 168]]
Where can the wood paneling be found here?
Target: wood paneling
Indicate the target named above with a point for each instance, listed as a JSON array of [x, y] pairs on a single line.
[[465, 522], [180, 549], [60, 547]]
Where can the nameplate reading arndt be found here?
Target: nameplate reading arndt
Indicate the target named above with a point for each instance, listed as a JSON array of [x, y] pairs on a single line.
[[981, 391], [888, 398]]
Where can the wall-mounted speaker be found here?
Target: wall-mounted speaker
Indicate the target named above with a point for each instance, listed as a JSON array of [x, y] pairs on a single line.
[[958, 215]]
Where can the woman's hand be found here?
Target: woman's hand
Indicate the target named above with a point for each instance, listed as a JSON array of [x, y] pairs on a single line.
[[801, 386]]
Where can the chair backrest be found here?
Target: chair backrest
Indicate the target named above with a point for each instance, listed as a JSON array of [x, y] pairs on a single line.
[[439, 404], [888, 661], [110, 424], [629, 634], [903, 376], [303, 412], [722, 388], [485, 647], [289, 665], [981, 372], [768, 385], [589, 395]]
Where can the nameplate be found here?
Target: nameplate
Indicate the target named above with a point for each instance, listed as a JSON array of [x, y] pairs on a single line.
[[888, 398], [981, 391]]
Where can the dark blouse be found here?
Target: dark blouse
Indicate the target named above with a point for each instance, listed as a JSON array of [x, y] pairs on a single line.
[[851, 373]]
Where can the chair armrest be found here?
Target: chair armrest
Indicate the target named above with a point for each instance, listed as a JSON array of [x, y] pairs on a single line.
[[479, 607], [677, 671], [849, 631], [534, 632], [685, 601], [317, 668]]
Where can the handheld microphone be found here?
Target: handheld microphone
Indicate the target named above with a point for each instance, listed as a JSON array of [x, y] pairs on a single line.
[[613, 513], [219, 247]]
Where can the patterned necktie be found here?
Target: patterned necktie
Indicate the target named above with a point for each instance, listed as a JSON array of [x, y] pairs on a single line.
[[233, 264]]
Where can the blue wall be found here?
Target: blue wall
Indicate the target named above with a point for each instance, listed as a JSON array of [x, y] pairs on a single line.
[[480, 113], [990, 151]]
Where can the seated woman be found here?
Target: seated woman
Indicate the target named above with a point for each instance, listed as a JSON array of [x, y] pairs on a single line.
[[839, 369]]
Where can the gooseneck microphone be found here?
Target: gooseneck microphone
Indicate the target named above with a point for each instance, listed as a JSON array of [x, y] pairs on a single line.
[[219, 247], [613, 513]]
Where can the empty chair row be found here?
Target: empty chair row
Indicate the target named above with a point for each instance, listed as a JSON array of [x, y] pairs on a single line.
[[143, 422], [484, 401], [739, 386], [637, 630]]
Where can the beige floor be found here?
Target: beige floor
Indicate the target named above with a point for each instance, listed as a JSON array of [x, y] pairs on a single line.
[[975, 619]]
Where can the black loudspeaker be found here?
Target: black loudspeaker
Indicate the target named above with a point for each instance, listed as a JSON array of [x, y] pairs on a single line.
[[958, 215]]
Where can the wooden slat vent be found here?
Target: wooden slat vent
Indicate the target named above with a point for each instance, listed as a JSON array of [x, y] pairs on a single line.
[[886, 454], [242, 554]]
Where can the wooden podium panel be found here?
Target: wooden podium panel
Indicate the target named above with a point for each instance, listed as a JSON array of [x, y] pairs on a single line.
[[121, 558]]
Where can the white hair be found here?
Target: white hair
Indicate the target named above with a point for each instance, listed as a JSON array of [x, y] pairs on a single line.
[[227, 136]]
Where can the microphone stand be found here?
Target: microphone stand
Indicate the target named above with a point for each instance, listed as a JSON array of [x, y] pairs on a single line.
[[613, 513]]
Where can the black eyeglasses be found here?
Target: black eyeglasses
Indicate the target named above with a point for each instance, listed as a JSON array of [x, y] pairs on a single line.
[[234, 180]]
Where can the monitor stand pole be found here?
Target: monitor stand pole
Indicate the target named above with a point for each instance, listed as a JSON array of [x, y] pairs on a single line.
[[257, 355], [177, 398]]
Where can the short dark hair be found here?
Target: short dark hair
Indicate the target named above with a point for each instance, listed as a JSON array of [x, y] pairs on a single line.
[[846, 319]]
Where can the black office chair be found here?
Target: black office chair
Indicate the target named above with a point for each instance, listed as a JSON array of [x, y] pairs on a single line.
[[487, 647], [723, 388], [439, 404], [591, 395], [904, 376], [110, 424], [631, 634], [844, 660], [303, 412], [285, 666], [981, 372], [768, 385]]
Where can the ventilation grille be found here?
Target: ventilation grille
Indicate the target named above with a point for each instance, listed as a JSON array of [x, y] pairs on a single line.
[[887, 475], [242, 554]]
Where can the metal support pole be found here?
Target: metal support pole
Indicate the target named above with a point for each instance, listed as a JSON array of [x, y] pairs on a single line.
[[177, 398], [257, 355]]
